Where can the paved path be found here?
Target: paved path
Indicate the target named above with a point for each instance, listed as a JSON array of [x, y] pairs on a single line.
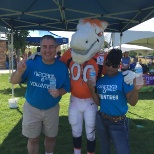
[[3, 71]]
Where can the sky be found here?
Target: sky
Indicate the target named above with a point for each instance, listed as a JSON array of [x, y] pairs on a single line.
[[64, 34], [145, 26]]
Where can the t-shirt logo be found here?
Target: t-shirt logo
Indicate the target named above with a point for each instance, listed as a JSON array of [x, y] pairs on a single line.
[[100, 60]]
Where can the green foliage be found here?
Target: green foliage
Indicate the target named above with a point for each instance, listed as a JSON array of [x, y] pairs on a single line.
[[19, 39], [32, 49], [132, 53], [141, 124], [139, 54]]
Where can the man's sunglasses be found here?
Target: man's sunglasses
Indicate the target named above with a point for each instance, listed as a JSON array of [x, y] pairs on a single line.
[[108, 64]]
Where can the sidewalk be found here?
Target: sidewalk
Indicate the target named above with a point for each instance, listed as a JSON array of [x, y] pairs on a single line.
[[5, 71]]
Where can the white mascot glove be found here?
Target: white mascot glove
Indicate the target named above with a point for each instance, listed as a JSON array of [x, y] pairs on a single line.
[[129, 76], [31, 57]]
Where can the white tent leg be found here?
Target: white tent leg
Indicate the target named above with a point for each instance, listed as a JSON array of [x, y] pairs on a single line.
[[120, 40], [12, 61], [113, 39], [12, 101]]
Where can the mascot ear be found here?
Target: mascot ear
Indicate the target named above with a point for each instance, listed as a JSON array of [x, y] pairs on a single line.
[[80, 23], [81, 20], [104, 24]]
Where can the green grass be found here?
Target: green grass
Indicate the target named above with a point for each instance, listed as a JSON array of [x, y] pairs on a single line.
[[13, 142]]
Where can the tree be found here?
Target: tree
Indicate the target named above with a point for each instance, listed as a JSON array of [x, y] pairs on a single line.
[[19, 41], [132, 54], [140, 54]]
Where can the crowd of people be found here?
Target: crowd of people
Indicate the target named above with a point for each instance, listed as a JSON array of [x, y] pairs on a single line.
[[128, 63]]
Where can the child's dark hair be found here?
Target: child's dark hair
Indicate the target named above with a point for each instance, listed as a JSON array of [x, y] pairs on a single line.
[[114, 56]]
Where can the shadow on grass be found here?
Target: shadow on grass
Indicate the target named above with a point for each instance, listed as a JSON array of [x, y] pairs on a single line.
[[141, 139], [16, 143], [18, 92], [141, 136], [146, 96]]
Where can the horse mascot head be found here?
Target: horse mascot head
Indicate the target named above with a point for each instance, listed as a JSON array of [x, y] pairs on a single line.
[[87, 40]]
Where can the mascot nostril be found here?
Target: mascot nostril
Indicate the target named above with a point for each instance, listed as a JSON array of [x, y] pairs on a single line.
[[86, 41], [97, 40]]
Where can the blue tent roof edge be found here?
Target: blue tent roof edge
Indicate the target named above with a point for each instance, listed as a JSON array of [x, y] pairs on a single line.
[[36, 40]]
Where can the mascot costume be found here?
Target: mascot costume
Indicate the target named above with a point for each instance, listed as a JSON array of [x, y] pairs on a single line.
[[86, 44]]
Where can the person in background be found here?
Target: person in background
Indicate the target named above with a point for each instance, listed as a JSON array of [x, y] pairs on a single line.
[[58, 56], [135, 59], [38, 49], [125, 62], [41, 108], [133, 64], [113, 94], [14, 62], [144, 67], [140, 61], [29, 53], [150, 62], [7, 61], [151, 69]]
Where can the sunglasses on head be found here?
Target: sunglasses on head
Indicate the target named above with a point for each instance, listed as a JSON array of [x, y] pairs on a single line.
[[108, 64]]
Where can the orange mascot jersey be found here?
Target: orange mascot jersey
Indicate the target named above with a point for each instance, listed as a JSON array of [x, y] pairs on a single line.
[[79, 73]]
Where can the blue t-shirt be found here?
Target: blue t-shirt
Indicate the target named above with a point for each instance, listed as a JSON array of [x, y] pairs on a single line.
[[38, 76], [112, 92], [132, 66], [125, 60]]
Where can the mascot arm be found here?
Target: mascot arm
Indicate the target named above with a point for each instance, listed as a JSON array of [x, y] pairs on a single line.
[[129, 76], [34, 55], [67, 55]]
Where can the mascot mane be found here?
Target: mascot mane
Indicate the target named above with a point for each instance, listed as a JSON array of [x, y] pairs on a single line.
[[93, 22], [87, 40]]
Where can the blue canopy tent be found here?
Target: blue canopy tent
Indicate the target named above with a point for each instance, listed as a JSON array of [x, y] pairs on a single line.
[[63, 15], [35, 36]]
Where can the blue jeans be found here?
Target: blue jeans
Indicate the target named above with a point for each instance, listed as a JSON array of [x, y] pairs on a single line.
[[117, 132]]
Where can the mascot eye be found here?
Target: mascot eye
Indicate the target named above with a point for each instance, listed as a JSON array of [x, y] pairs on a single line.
[[86, 41], [100, 34]]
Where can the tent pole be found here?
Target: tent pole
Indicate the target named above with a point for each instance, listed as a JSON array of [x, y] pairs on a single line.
[[120, 39], [113, 39], [10, 57], [12, 60]]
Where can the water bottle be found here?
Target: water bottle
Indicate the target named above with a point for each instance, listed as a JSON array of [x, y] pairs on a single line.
[[139, 74], [52, 82], [92, 74]]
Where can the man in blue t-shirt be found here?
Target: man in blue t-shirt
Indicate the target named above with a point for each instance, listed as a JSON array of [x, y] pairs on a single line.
[[41, 108], [112, 95]]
